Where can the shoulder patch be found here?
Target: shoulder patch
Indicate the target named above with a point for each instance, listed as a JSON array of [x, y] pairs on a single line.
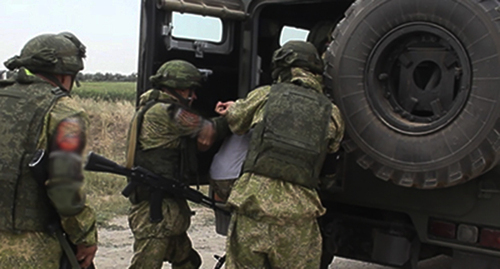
[[69, 135]]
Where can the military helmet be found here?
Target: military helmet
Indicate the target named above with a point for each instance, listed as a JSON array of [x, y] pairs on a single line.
[[59, 53], [177, 74], [297, 54]]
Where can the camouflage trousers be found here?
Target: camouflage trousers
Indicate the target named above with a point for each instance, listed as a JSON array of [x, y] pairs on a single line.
[[167, 240], [220, 190], [150, 253], [257, 245], [29, 250]]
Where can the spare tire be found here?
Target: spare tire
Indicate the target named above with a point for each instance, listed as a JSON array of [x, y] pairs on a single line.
[[418, 83]]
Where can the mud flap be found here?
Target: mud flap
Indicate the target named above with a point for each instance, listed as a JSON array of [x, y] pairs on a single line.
[[391, 249], [466, 260]]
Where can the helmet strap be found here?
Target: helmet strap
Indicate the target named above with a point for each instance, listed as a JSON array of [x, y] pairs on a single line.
[[76, 81], [54, 80]]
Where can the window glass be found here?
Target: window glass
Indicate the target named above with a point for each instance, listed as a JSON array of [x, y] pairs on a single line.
[[291, 33], [196, 27]]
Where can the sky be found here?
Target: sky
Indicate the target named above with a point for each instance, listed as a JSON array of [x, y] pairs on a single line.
[[108, 28]]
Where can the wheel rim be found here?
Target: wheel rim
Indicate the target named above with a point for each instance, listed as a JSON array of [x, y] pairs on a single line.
[[418, 78]]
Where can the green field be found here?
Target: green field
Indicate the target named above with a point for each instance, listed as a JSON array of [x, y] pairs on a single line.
[[106, 91]]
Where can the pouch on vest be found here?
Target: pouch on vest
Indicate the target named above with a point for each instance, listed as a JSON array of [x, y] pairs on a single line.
[[290, 143]]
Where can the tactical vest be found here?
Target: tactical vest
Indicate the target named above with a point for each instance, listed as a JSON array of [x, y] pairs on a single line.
[[290, 143], [179, 163], [24, 205]]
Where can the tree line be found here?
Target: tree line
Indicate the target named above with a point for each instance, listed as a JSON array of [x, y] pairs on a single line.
[[106, 77], [4, 74]]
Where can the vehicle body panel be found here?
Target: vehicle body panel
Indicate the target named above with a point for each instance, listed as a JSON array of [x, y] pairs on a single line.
[[241, 62]]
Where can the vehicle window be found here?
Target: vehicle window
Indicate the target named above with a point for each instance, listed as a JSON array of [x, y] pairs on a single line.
[[196, 27], [292, 33]]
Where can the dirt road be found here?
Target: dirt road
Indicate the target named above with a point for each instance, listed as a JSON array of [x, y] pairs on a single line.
[[115, 241], [115, 249]]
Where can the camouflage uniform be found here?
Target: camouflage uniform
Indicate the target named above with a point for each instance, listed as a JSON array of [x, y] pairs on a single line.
[[166, 146], [24, 243], [274, 223], [166, 240], [221, 188]]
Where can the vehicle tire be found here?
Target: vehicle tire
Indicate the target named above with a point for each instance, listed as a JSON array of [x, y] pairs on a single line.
[[418, 83]]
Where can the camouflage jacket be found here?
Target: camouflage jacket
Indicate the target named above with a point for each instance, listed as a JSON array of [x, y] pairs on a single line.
[[167, 135], [77, 219], [81, 227], [159, 129], [267, 199]]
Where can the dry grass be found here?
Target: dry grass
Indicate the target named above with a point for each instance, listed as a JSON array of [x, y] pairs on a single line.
[[109, 123]]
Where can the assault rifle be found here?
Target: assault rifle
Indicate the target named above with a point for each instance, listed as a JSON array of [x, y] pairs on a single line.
[[158, 185]]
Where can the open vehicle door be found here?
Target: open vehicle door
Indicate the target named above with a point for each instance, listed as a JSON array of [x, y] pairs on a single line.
[[205, 33]]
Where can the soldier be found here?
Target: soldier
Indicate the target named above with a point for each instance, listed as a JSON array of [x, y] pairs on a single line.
[[38, 115], [275, 202], [164, 136]]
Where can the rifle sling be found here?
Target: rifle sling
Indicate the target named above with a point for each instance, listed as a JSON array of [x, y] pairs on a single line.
[[135, 128], [38, 165], [70, 255], [132, 142]]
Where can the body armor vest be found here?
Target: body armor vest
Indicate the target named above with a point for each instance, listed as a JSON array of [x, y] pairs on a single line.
[[290, 143], [24, 205], [179, 163]]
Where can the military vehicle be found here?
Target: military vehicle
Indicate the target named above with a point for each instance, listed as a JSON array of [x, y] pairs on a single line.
[[418, 83]]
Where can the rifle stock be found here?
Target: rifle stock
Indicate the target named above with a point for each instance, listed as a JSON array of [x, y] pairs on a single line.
[[98, 163], [159, 185]]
